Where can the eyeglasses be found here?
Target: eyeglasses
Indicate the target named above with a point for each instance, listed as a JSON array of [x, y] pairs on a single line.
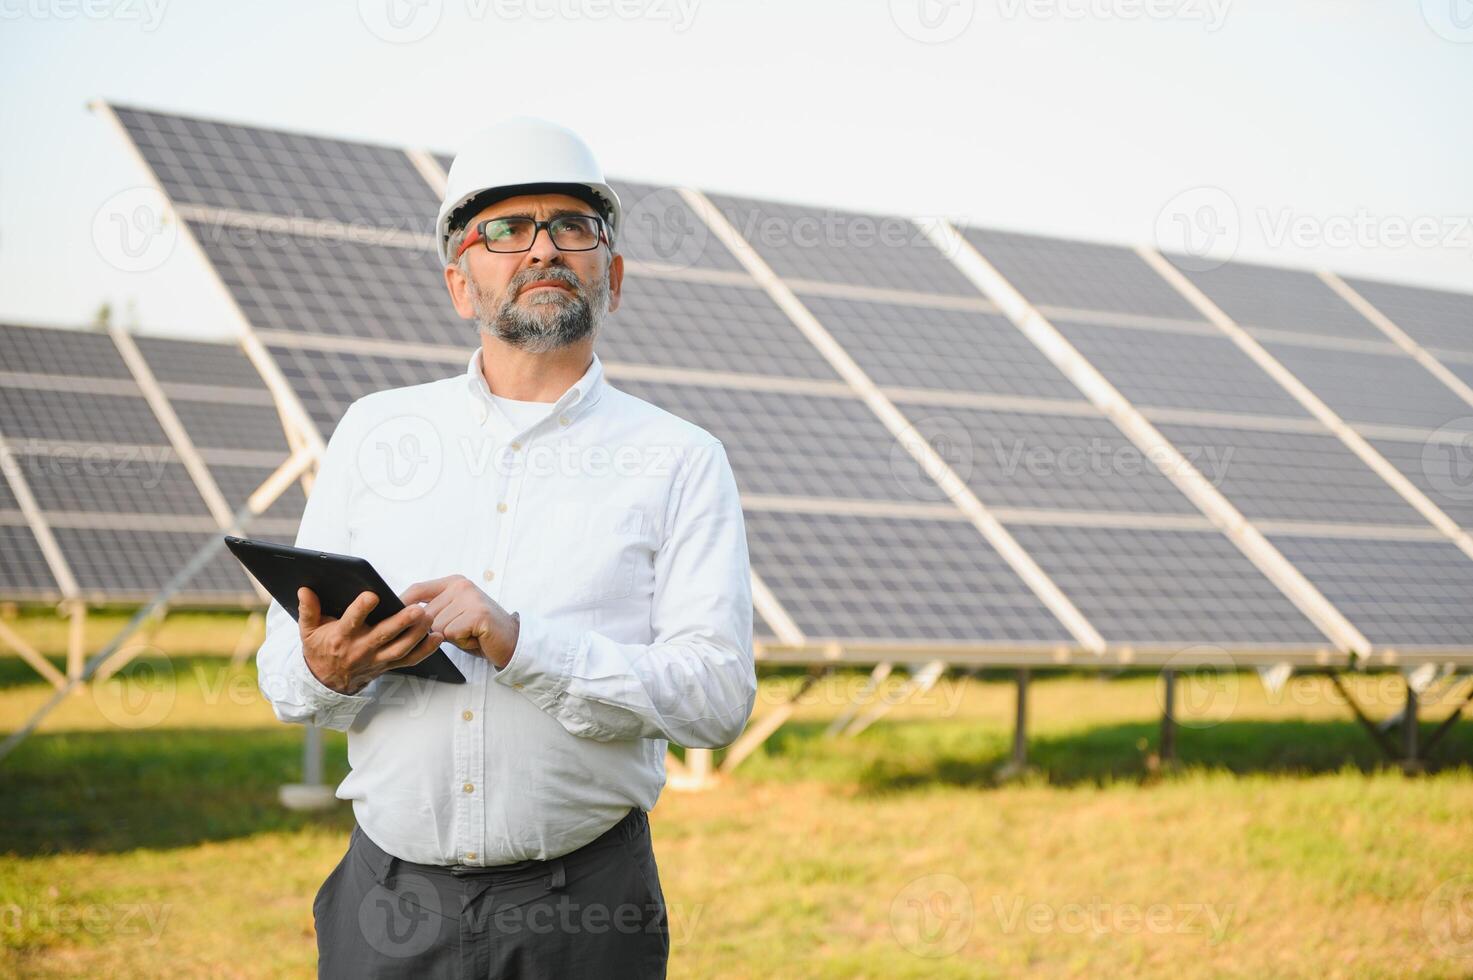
[[569, 232]]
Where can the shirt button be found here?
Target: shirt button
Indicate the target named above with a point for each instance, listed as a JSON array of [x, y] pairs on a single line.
[[470, 855], [488, 575], [501, 507], [562, 420], [469, 788], [516, 445], [467, 715]]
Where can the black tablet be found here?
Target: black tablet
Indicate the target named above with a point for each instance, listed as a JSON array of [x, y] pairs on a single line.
[[337, 580]]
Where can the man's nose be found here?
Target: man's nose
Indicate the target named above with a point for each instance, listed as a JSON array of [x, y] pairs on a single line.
[[544, 252]]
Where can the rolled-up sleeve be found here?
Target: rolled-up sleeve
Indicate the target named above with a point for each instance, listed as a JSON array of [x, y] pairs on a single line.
[[696, 684], [295, 693]]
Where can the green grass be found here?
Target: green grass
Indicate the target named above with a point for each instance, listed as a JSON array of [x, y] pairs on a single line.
[[141, 837]]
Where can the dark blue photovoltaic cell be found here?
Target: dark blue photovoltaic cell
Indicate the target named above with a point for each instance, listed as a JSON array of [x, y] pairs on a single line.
[[1410, 593], [1434, 318], [1441, 468], [23, 569], [71, 416], [247, 168], [1280, 299], [951, 350], [220, 364], [658, 226], [1386, 389], [1079, 275], [828, 245], [1290, 475], [1166, 369], [846, 576], [48, 350], [327, 382], [1156, 586], [124, 562]]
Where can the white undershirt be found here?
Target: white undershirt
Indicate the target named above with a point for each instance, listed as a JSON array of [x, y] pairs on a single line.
[[522, 414]]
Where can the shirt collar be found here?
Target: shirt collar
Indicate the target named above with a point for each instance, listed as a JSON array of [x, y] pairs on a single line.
[[581, 395]]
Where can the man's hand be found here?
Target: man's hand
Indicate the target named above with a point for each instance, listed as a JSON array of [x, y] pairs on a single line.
[[345, 654], [467, 617]]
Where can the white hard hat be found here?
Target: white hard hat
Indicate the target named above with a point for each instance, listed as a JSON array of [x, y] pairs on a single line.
[[523, 152]]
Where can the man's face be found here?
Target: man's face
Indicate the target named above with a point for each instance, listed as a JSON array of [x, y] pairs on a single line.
[[541, 299]]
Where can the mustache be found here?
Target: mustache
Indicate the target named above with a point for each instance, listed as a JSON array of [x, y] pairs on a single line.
[[551, 273]]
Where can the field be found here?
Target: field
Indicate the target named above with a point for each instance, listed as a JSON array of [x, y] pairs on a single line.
[[141, 836]]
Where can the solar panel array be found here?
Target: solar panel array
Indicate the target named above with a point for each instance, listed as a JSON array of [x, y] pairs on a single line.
[[121, 506], [853, 536]]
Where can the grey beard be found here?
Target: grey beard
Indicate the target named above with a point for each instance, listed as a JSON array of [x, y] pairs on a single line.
[[552, 320]]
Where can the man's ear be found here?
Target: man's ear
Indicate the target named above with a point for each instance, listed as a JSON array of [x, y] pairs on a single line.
[[455, 283], [616, 280]]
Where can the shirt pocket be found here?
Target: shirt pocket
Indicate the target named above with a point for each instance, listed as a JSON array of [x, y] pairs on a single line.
[[605, 544]]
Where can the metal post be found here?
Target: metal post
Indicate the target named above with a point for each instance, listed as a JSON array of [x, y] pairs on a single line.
[[310, 794], [1018, 764], [1168, 717], [1411, 758]]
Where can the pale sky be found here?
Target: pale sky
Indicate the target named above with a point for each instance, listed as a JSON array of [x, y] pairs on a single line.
[[1335, 132]]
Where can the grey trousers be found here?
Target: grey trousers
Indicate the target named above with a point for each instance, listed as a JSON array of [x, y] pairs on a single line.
[[597, 911]]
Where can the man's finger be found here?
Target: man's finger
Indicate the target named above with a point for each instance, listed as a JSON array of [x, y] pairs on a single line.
[[425, 591], [387, 631], [354, 615], [401, 653], [309, 611]]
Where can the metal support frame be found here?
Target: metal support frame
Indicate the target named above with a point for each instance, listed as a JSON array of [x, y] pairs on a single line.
[[1167, 752], [1413, 754], [1017, 764], [921, 680]]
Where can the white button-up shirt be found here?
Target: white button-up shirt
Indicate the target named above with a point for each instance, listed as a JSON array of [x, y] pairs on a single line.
[[614, 529]]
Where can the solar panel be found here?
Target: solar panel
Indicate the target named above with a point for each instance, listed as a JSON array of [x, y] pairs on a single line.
[[222, 365], [1167, 369], [248, 168], [1059, 462], [658, 226], [1159, 586], [1390, 389], [707, 327], [77, 353], [237, 483], [868, 578], [328, 381], [216, 425], [335, 288], [950, 350], [800, 445], [1432, 317], [1290, 475], [1442, 470], [23, 572], [125, 562], [127, 483], [1395, 592], [1079, 275], [72, 416], [843, 246], [1281, 299]]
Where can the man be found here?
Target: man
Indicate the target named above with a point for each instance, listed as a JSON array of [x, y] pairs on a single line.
[[581, 556]]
